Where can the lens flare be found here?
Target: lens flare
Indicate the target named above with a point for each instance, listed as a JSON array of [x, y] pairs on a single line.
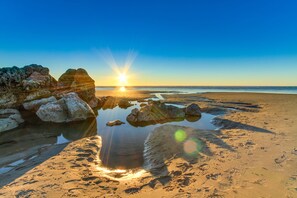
[[180, 135], [192, 146]]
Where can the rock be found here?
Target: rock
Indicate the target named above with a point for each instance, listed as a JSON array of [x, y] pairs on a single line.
[[9, 119], [115, 122], [108, 102], [77, 108], [124, 103], [35, 104], [8, 100], [23, 84], [193, 110], [53, 112], [69, 108], [38, 94], [78, 81], [155, 112]]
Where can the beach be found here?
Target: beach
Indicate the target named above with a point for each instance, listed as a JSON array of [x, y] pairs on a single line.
[[252, 154]]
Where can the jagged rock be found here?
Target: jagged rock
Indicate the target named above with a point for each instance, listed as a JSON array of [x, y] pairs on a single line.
[[23, 84], [115, 122], [193, 110], [155, 112], [69, 108], [7, 100], [9, 119], [35, 104], [78, 81], [123, 103]]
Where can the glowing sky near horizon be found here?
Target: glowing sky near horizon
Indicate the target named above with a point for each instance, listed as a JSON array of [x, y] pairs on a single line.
[[174, 42]]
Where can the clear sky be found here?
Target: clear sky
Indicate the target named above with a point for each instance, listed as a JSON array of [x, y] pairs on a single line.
[[198, 42]]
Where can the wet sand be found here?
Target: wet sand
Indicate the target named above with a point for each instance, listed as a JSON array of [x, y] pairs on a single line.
[[254, 154]]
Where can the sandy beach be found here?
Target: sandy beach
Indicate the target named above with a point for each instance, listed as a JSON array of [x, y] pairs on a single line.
[[253, 154]]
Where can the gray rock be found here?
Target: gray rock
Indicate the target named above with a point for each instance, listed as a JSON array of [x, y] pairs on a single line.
[[53, 112], [35, 104], [69, 108], [193, 110], [9, 119], [115, 122], [7, 100], [77, 108]]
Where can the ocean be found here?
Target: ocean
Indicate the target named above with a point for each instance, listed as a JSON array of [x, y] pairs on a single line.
[[204, 89]]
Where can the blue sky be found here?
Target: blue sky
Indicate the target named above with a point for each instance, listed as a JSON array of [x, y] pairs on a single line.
[[177, 42]]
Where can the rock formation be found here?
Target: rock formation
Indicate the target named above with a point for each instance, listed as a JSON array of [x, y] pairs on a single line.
[[23, 84], [155, 112], [124, 103], [69, 108], [193, 110], [78, 81]]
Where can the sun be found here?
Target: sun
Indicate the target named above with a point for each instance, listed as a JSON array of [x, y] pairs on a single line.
[[123, 79]]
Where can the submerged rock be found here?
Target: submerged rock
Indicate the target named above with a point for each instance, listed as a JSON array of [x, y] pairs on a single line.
[[193, 110], [115, 122], [9, 119], [124, 103], [79, 81], [108, 102], [69, 108], [155, 112]]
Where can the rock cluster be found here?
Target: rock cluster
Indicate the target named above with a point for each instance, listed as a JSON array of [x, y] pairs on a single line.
[[158, 112], [155, 112], [32, 88], [22, 84], [67, 109]]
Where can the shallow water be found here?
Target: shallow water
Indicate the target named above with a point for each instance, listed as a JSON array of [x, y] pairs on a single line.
[[122, 146]]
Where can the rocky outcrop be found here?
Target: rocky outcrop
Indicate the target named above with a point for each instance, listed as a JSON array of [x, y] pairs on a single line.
[[193, 110], [9, 119], [78, 81], [67, 109], [124, 103], [155, 112], [114, 123], [35, 104], [23, 84]]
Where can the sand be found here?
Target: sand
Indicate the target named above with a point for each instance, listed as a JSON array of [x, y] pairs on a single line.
[[254, 154]]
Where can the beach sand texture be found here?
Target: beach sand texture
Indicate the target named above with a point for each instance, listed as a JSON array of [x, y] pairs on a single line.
[[254, 154]]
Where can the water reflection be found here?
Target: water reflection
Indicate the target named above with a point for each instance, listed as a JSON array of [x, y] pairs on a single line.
[[122, 146], [25, 141]]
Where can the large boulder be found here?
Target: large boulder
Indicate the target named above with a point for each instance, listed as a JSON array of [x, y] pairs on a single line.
[[79, 81], [67, 109], [155, 112], [193, 110], [24, 84], [35, 104], [9, 119]]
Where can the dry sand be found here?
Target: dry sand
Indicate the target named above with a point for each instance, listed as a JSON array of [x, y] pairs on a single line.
[[254, 154]]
